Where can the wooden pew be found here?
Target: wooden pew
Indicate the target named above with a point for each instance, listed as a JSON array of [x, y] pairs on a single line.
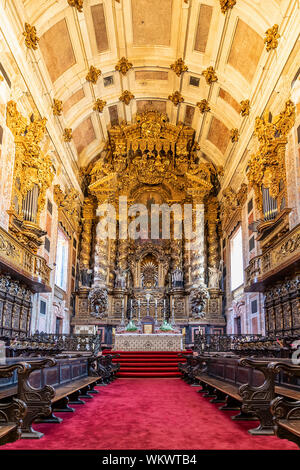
[[246, 384], [13, 412], [286, 413], [48, 385]]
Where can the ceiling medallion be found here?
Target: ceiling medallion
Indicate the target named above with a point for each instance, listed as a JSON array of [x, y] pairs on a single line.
[[176, 98], [245, 108], [99, 105], [272, 36], [126, 97], [31, 39], [203, 106], [57, 107], [78, 4], [123, 66], [210, 75], [179, 67], [93, 75], [67, 135], [227, 5], [234, 134]]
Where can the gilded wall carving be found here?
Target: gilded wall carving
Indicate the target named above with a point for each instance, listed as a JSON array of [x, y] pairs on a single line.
[[267, 166]]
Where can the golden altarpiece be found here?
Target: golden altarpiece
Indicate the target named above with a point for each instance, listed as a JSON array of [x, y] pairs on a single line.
[[150, 162]]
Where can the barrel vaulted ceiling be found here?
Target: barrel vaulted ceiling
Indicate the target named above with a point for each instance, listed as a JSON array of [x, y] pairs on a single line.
[[152, 35]]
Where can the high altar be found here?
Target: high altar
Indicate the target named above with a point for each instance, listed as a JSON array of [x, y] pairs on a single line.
[[149, 162]]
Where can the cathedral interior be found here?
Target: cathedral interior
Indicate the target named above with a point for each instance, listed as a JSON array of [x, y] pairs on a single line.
[[150, 207]]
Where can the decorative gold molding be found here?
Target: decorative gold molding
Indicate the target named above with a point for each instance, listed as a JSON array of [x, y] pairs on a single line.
[[210, 75], [245, 108], [234, 135], [32, 170], [267, 166], [227, 5], [31, 38], [20, 258], [69, 203], [93, 75], [176, 98], [179, 67], [68, 135], [57, 107], [78, 4], [128, 166], [271, 38], [123, 66], [276, 257], [126, 97], [203, 106], [99, 105], [231, 204]]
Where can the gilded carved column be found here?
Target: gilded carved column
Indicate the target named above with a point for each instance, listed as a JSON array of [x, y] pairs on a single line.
[[213, 243], [101, 272], [197, 244], [88, 215]]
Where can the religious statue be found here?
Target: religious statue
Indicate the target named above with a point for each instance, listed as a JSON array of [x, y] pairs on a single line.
[[177, 278], [86, 277], [215, 275], [198, 299], [98, 298], [121, 278]]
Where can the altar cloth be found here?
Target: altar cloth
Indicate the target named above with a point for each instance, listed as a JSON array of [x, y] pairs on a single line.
[[148, 342]]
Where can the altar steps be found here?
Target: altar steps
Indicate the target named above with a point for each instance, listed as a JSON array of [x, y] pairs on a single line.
[[158, 364]]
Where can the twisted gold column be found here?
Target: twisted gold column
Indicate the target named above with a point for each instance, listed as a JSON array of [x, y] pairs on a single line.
[[88, 215]]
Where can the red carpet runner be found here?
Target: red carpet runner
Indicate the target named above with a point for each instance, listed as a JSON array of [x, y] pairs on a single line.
[[136, 364], [149, 414]]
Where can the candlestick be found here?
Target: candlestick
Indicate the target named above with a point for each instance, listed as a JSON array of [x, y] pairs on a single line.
[[155, 311]]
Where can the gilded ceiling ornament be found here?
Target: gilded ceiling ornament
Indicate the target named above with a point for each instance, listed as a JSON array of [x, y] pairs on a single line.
[[78, 4], [67, 135], [203, 106], [272, 36], [93, 75], [99, 105], [179, 67], [245, 108], [126, 97], [267, 166], [210, 75], [123, 66], [234, 134], [176, 98], [226, 5], [31, 39], [57, 107]]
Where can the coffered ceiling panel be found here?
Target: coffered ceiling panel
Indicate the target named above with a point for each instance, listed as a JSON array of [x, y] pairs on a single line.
[[57, 50], [152, 35], [100, 27], [219, 134], [151, 21], [204, 20], [246, 50]]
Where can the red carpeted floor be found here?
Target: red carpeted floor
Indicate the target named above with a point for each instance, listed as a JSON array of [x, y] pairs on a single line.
[[149, 414], [148, 364]]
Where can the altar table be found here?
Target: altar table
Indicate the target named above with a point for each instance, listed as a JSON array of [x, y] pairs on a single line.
[[148, 342]]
